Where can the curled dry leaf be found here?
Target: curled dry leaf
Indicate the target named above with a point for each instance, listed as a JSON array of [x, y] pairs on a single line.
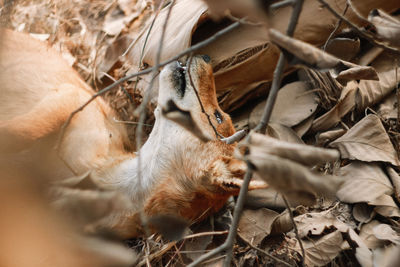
[[322, 251], [395, 179], [387, 109], [316, 223], [368, 236], [284, 133], [255, 225], [386, 206], [329, 136], [367, 141], [304, 154], [363, 213], [294, 103], [292, 179], [344, 105], [308, 55], [385, 232], [370, 93], [386, 26], [343, 48], [249, 8], [388, 256], [363, 183]]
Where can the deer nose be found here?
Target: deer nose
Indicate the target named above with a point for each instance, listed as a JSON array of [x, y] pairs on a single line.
[[206, 58]]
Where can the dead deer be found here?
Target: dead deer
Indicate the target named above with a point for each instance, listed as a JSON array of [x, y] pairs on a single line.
[[180, 174]]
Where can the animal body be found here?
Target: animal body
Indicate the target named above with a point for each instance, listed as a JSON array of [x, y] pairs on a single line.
[[180, 174]]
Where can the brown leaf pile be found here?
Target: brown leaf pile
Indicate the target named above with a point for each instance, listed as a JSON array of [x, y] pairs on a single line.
[[331, 149]]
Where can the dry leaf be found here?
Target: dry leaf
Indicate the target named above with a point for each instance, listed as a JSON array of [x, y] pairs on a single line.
[[386, 26], [249, 8], [255, 225], [368, 236], [304, 154], [388, 256], [395, 179], [386, 206], [343, 48], [385, 232], [329, 136], [367, 141], [294, 103], [316, 223], [387, 108], [364, 257], [370, 93], [363, 183], [323, 250], [308, 55], [362, 212], [344, 105], [282, 223], [284, 133]]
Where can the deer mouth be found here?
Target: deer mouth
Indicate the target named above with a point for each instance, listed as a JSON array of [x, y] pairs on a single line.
[[179, 79]]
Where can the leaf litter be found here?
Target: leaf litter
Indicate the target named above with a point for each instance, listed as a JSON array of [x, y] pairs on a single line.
[[333, 143]]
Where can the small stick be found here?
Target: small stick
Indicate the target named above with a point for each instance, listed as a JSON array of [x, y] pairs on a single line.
[[367, 36], [336, 28], [295, 230], [146, 71]]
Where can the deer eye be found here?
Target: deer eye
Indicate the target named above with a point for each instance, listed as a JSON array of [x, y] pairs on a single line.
[[218, 117], [180, 81]]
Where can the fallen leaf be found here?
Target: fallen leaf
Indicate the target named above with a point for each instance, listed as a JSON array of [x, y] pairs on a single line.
[[385, 232], [386, 206], [370, 93], [322, 251], [343, 48], [329, 136], [283, 132], [345, 104], [248, 8], [387, 108], [363, 183], [294, 103], [367, 141], [310, 56], [255, 225], [317, 222], [386, 26], [388, 256], [304, 154], [395, 179], [368, 236], [363, 212]]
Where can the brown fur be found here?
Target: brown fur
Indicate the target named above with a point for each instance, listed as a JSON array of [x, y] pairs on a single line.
[[189, 179]]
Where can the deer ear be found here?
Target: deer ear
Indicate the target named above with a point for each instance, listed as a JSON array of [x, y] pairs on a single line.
[[228, 175]]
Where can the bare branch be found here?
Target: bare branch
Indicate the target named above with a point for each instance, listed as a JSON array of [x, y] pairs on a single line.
[[190, 50], [234, 137], [361, 32], [295, 230]]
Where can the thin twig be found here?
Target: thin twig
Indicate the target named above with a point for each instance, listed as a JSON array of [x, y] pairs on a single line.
[[190, 50], [303, 253], [262, 126], [336, 28], [146, 98], [281, 4], [227, 245], [217, 134], [267, 254], [364, 34], [235, 137]]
